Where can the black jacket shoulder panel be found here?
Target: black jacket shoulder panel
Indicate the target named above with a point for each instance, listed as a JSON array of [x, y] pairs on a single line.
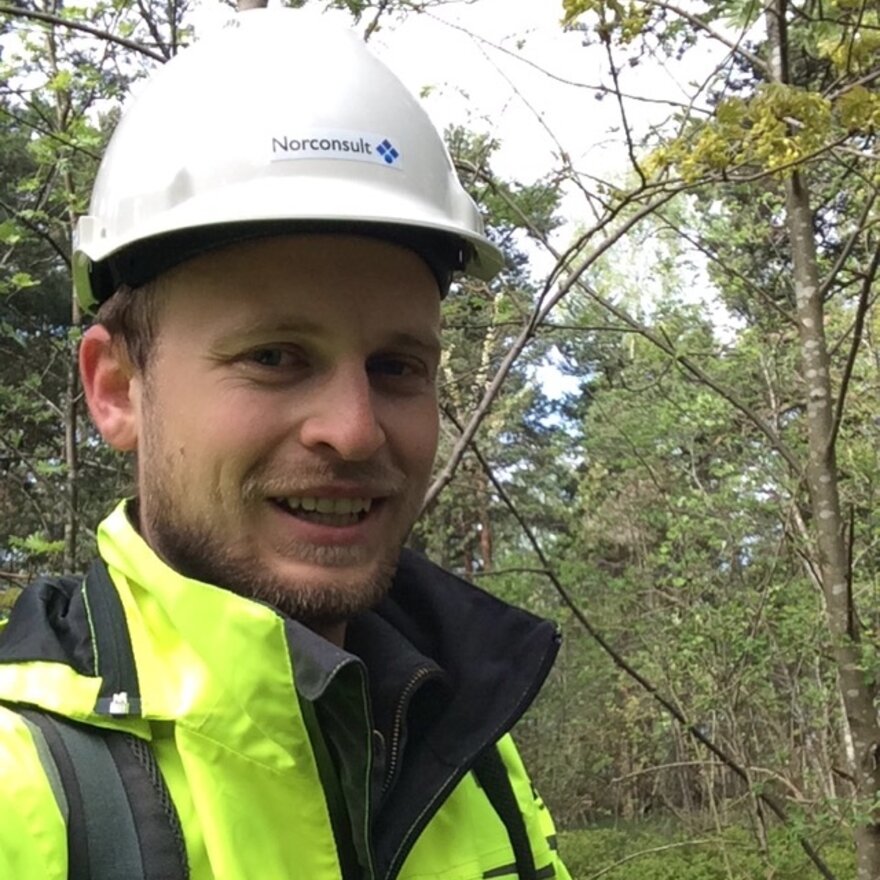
[[49, 621], [494, 658]]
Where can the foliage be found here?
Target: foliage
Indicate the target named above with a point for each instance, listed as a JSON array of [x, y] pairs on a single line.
[[649, 851], [480, 321], [59, 98], [781, 150], [672, 495]]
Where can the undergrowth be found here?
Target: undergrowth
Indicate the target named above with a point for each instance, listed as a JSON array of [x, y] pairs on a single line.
[[649, 852]]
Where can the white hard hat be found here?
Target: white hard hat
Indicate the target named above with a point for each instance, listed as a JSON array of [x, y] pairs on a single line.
[[272, 126]]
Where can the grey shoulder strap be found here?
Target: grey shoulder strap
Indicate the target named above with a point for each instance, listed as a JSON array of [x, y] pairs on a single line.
[[121, 821], [122, 824]]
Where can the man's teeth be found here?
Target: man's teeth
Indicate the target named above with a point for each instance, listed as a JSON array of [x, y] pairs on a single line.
[[339, 506]]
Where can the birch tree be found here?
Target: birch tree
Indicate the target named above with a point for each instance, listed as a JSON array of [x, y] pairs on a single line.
[[794, 101]]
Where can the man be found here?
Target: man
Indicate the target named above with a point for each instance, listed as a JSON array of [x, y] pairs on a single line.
[[271, 232]]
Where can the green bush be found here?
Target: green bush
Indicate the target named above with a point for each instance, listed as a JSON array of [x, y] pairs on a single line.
[[649, 852]]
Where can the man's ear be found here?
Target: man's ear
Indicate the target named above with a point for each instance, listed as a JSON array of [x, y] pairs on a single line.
[[112, 388]]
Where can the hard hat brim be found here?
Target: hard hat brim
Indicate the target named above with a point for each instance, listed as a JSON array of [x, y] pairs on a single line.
[[268, 207]]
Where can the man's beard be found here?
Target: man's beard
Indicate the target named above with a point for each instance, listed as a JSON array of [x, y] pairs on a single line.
[[190, 544]]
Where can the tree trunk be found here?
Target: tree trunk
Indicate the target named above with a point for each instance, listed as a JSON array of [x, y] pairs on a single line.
[[72, 389], [828, 525], [71, 448], [858, 694]]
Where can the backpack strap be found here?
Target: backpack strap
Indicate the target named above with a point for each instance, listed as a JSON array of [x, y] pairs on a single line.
[[492, 775], [121, 823]]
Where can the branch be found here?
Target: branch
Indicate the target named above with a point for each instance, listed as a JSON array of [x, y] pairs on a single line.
[[698, 373], [585, 328], [646, 852], [848, 248], [19, 12], [694, 730], [858, 333], [546, 303], [757, 63], [40, 233], [539, 116], [543, 306], [599, 89], [756, 289], [505, 571], [72, 145], [657, 768], [865, 80], [373, 26], [623, 118], [625, 318], [153, 29]]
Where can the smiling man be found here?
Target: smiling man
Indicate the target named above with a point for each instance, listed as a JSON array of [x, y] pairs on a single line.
[[256, 679], [292, 461]]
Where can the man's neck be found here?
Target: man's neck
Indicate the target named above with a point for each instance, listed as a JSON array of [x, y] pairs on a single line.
[[333, 632]]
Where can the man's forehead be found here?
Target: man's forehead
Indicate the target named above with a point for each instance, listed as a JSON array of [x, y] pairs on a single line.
[[306, 286]]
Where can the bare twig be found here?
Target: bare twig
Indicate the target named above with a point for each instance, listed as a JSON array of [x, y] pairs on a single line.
[[647, 852], [759, 65], [620, 661], [48, 18], [858, 333], [522, 59], [623, 117]]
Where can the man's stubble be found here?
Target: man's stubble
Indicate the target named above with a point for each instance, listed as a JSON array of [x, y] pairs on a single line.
[[186, 538]]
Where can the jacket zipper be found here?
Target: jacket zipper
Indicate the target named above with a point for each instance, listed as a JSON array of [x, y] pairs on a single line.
[[453, 779], [397, 725]]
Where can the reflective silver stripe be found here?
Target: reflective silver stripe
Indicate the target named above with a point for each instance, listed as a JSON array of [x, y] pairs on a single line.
[[50, 768]]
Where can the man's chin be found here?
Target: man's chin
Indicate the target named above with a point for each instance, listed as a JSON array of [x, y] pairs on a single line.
[[319, 596], [307, 583]]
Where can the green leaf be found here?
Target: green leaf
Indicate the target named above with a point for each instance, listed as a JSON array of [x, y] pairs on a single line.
[[9, 232], [22, 280]]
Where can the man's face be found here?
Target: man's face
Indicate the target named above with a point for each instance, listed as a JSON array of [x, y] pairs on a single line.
[[287, 422]]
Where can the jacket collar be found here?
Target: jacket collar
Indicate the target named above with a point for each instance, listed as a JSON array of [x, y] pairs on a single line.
[[223, 666], [207, 655]]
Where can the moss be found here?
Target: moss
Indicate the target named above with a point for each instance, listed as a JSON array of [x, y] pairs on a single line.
[[651, 852]]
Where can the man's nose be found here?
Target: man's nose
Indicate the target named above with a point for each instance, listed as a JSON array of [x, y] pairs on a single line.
[[342, 416]]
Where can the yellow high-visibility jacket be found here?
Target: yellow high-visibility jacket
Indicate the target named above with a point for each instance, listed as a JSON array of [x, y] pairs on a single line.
[[232, 697]]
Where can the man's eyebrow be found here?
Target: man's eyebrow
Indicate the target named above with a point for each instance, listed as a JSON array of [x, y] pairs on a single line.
[[428, 342], [250, 329]]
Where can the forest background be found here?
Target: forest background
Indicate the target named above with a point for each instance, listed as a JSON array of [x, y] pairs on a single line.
[[700, 512]]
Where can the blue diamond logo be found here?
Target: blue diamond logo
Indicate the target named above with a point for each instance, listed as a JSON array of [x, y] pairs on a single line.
[[388, 152]]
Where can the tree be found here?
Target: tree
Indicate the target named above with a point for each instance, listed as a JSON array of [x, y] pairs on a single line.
[[63, 81], [710, 500], [789, 115]]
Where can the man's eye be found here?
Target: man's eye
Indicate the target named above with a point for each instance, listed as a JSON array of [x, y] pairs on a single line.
[[397, 367], [390, 367], [272, 357]]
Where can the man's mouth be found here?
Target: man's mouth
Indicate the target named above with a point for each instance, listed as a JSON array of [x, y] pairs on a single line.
[[337, 512]]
